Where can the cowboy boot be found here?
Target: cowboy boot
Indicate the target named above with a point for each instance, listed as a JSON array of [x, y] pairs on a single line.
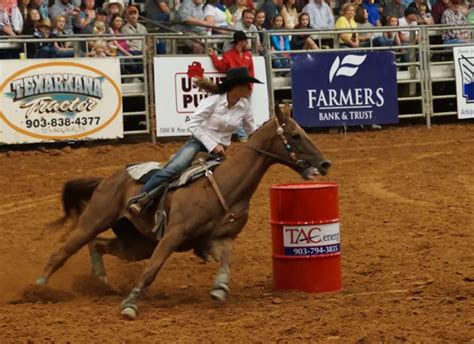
[[137, 204]]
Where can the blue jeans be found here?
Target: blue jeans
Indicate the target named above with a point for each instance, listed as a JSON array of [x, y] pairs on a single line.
[[280, 62], [454, 41], [181, 161], [241, 133], [67, 53]]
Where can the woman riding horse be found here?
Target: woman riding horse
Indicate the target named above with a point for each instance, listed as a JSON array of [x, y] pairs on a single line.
[[212, 125]]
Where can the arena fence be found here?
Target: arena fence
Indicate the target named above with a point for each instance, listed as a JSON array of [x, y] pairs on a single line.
[[425, 78]]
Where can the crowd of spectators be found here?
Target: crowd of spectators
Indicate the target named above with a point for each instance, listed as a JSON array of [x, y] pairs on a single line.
[[62, 18], [43, 19]]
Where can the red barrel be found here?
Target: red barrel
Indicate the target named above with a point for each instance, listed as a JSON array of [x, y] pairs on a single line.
[[305, 237]]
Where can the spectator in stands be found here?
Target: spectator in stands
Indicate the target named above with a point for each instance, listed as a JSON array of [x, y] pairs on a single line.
[[271, 9], [470, 16], [6, 28], [373, 12], [289, 14], [136, 47], [258, 23], [246, 25], [424, 17], [133, 27], [66, 9], [453, 16], [464, 7], [191, 13], [86, 16], [394, 9], [100, 15], [409, 19], [62, 49], [45, 48], [356, 3], [18, 17], [99, 49], [41, 7], [346, 21], [438, 9], [238, 56], [303, 42], [99, 27], [216, 14], [237, 9], [113, 7], [362, 19], [158, 10], [115, 28], [320, 14], [280, 43], [391, 38], [424, 9], [32, 19]]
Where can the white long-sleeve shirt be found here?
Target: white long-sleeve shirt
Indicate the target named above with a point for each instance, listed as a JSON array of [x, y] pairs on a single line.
[[214, 123]]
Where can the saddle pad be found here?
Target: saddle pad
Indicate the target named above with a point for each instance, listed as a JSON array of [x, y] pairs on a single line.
[[143, 172]]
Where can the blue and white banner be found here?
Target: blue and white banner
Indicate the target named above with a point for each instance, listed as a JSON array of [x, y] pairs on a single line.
[[464, 66], [344, 88]]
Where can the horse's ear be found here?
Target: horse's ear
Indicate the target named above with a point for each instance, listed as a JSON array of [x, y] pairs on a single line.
[[281, 114]]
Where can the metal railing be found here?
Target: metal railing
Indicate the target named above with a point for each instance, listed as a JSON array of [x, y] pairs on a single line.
[[425, 77], [411, 74]]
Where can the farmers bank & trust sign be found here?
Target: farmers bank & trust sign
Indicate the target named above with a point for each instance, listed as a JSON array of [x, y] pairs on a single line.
[[339, 89]]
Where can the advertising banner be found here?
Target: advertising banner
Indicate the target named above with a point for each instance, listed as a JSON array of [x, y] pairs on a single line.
[[344, 88], [44, 100], [464, 66], [176, 98]]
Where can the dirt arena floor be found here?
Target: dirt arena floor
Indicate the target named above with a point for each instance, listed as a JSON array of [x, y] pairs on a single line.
[[407, 211]]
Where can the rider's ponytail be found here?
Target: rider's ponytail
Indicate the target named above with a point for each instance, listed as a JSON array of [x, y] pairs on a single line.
[[208, 86]]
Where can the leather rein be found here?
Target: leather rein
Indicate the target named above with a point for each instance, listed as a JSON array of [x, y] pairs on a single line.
[[230, 216]]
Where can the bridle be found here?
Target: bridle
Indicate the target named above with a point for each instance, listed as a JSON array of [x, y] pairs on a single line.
[[293, 160]]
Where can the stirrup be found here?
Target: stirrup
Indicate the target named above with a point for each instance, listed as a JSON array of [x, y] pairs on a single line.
[[138, 204]]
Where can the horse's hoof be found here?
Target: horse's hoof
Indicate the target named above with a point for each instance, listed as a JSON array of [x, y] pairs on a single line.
[[129, 313], [41, 281], [219, 294]]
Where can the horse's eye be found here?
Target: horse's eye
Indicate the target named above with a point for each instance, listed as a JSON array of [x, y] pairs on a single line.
[[296, 136]]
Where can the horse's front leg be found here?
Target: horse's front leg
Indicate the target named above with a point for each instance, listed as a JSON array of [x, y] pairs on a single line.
[[221, 251], [168, 244]]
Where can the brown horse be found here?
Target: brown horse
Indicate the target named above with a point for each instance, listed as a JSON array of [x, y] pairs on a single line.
[[197, 219]]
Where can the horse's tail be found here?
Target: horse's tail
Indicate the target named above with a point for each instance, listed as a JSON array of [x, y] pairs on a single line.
[[76, 194]]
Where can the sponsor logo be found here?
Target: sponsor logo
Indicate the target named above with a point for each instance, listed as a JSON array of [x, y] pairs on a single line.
[[188, 95], [466, 66], [59, 100], [348, 67], [311, 239], [334, 89]]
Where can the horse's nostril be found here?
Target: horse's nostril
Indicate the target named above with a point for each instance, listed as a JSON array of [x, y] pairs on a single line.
[[325, 165]]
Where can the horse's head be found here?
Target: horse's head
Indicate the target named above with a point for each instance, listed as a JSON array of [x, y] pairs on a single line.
[[295, 148]]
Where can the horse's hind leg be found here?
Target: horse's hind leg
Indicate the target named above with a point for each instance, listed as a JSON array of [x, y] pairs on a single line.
[[221, 250], [97, 261], [88, 227]]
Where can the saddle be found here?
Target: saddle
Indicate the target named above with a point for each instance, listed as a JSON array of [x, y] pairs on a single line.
[[144, 171]]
